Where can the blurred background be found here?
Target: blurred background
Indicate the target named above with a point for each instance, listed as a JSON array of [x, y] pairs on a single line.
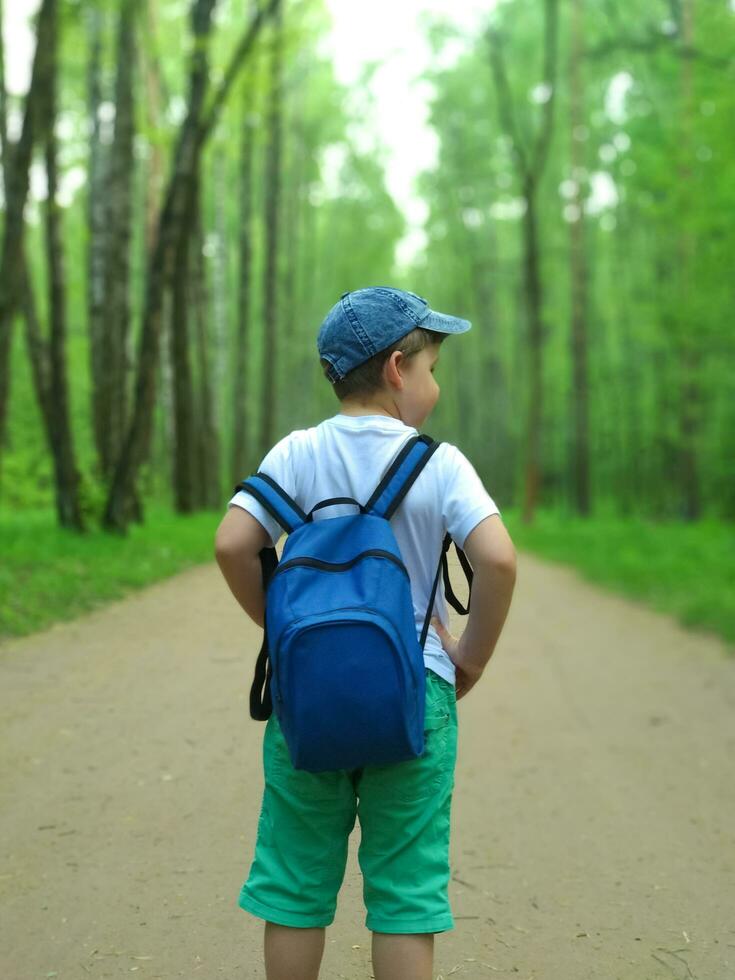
[[188, 187]]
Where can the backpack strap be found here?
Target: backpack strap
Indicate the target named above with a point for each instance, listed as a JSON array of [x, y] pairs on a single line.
[[467, 569], [276, 501], [448, 591], [400, 476], [290, 516], [261, 705], [389, 493]]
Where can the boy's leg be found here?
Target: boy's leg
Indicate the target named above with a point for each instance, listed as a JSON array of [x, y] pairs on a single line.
[[291, 953], [404, 811], [300, 858], [403, 957]]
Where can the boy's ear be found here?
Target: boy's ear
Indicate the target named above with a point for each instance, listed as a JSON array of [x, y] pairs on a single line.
[[391, 372]]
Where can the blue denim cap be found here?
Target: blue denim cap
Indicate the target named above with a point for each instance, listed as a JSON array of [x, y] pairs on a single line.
[[366, 321]]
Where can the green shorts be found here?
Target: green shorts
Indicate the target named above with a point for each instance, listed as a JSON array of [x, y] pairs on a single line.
[[404, 809]]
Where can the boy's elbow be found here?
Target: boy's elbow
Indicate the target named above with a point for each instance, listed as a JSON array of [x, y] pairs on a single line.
[[506, 558], [489, 545], [220, 556], [224, 547], [508, 565], [502, 562]]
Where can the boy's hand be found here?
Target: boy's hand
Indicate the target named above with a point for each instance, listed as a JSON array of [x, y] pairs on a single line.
[[467, 674]]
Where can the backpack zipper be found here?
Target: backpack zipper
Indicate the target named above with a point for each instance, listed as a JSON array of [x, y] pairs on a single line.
[[339, 566]]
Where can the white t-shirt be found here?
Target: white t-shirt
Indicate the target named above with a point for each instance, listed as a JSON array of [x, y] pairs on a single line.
[[346, 456]]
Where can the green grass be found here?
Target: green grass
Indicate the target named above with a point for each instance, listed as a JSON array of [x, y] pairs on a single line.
[[686, 570], [49, 574]]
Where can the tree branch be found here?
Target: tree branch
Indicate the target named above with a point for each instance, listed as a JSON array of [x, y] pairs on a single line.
[[551, 11], [653, 42], [238, 56], [505, 97]]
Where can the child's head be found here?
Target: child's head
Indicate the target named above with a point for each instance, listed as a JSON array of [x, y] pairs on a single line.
[[378, 347]]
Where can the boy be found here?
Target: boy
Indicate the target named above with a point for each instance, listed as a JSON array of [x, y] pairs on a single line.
[[378, 347]]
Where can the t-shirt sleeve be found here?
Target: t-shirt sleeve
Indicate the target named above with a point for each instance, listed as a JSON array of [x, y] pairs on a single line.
[[465, 502], [278, 464]]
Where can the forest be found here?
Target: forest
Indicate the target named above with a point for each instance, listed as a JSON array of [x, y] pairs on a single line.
[[184, 200], [188, 187]]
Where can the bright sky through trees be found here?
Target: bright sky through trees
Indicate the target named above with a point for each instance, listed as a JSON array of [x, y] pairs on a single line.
[[392, 33], [394, 126], [570, 196], [382, 31]]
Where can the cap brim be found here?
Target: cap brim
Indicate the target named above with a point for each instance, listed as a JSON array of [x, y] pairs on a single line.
[[444, 323]]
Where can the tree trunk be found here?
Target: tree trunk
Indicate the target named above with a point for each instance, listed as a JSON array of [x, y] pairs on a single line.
[[530, 162], [96, 183], [38, 357], [534, 306], [218, 296], [208, 493], [36, 347], [687, 343], [155, 96], [292, 223], [486, 426], [172, 220], [34, 122], [294, 219], [3, 109], [270, 311], [631, 366], [37, 351], [580, 463], [118, 221], [494, 434], [240, 461], [195, 129], [66, 475], [184, 452]]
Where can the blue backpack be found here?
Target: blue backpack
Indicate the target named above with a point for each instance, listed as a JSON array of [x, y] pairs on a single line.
[[342, 666]]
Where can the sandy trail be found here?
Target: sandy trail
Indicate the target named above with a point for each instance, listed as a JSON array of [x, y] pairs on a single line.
[[594, 810]]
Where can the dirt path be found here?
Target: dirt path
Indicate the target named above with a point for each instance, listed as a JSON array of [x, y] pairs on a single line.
[[594, 811]]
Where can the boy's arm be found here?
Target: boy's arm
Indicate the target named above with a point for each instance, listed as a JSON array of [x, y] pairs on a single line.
[[493, 559], [237, 545]]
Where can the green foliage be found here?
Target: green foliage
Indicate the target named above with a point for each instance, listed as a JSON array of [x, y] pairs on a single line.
[[657, 249], [686, 571], [328, 225], [49, 574], [659, 256]]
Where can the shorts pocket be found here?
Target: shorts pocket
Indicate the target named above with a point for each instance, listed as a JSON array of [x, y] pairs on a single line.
[[439, 746], [422, 778]]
